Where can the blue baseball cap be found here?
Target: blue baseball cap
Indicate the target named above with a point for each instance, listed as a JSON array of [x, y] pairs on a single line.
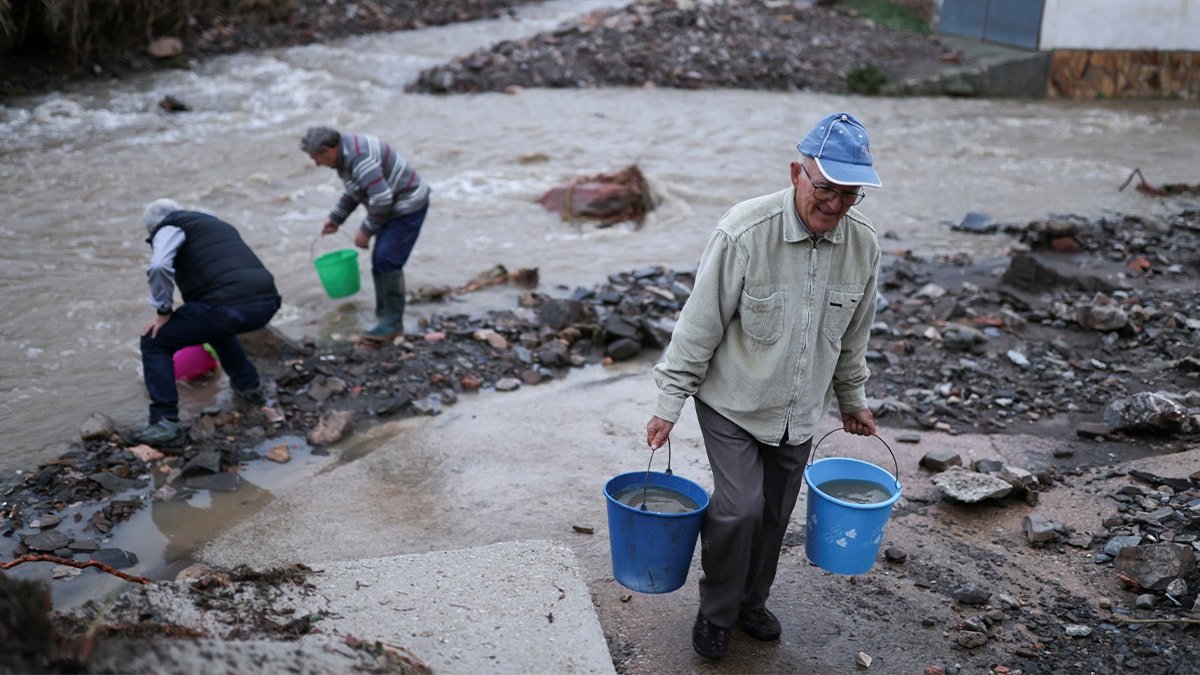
[[842, 150]]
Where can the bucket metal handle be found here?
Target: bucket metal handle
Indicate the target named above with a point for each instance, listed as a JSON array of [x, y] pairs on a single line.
[[312, 256], [895, 476], [646, 480]]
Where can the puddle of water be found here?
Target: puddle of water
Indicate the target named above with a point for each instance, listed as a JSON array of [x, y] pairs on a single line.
[[165, 534]]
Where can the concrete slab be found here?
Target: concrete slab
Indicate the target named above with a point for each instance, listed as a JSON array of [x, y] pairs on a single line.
[[513, 607]]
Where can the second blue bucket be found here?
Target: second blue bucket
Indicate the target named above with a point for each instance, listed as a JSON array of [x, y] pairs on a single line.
[[652, 552], [840, 536]]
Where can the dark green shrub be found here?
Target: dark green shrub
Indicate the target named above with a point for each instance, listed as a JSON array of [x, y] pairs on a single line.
[[866, 79]]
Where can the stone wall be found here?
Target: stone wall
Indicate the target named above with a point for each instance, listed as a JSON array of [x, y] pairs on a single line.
[[1095, 74]]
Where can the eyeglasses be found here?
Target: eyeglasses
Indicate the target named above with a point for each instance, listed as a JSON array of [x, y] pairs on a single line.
[[826, 193]]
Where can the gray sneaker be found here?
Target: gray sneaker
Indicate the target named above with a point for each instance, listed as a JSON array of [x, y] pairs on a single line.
[[162, 432]]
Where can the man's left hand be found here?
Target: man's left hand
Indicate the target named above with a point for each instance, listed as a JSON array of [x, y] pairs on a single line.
[[154, 324], [362, 239], [859, 422]]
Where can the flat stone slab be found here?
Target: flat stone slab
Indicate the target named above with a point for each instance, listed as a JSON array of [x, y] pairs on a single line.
[[969, 486], [517, 607]]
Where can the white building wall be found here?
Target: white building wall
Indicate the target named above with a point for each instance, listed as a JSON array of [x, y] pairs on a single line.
[[1166, 25]]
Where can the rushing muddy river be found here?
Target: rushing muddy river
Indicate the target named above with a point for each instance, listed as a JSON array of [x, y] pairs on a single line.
[[77, 167]]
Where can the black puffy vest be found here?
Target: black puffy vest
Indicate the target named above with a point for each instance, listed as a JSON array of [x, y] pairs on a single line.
[[214, 264]]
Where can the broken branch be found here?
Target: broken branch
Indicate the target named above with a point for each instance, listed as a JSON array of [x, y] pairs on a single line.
[[42, 557]]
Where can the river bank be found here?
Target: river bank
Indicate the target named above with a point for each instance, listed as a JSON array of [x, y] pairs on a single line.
[[432, 466], [958, 349], [251, 26]]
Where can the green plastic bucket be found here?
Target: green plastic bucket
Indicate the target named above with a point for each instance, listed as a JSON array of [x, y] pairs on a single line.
[[338, 271]]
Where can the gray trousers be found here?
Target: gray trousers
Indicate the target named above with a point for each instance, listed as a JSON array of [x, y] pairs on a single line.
[[755, 487]]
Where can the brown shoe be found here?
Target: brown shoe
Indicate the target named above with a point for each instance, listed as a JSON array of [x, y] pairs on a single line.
[[708, 639], [760, 624]]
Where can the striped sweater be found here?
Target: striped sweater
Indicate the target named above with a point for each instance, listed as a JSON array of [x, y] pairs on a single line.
[[378, 176]]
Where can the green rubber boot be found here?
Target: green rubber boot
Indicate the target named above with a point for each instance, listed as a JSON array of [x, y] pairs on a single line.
[[389, 307]]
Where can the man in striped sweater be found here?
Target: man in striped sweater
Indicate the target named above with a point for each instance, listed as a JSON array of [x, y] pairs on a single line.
[[396, 200]]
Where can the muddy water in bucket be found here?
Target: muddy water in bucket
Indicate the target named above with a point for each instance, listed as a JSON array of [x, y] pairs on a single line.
[[849, 502], [855, 490], [654, 520], [656, 498]]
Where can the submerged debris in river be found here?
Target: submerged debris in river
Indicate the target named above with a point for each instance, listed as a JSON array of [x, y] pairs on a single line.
[[607, 198]]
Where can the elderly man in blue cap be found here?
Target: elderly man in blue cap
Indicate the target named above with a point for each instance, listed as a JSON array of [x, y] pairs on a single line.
[[775, 329]]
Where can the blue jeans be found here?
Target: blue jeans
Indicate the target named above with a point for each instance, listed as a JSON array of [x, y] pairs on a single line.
[[195, 323], [395, 241]]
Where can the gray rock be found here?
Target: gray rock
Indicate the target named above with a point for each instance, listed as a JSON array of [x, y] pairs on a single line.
[[988, 465], [1017, 358], [1145, 601], [507, 384], [1007, 601], [969, 639], [1040, 529], [621, 327], [113, 483], [45, 542], [97, 426], [558, 314], [1076, 630], [1092, 430], [1145, 411], [908, 437], [622, 349], [969, 486], [971, 594], [976, 223], [45, 521], [960, 338], [1101, 314], [1020, 478], [332, 427], [1154, 566], [115, 557], [940, 460], [1177, 588], [553, 354], [205, 461], [1113, 547]]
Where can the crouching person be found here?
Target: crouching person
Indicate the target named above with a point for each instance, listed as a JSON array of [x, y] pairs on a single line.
[[226, 291]]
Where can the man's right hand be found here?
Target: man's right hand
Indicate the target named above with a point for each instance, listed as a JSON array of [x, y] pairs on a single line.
[[330, 226], [657, 432]]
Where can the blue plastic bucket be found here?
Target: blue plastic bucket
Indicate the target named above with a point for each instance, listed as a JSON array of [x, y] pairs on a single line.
[[840, 536], [652, 552]]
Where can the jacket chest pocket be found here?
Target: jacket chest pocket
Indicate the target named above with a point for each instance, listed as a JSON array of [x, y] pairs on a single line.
[[762, 318], [839, 310]]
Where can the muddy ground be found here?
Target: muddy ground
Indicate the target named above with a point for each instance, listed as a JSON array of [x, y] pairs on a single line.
[[961, 349], [1019, 359]]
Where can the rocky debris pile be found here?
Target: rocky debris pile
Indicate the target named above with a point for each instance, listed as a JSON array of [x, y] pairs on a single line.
[[1140, 562], [748, 44], [319, 392], [1094, 320], [299, 22]]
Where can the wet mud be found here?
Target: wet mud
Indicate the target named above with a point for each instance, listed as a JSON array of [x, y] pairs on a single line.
[[958, 347]]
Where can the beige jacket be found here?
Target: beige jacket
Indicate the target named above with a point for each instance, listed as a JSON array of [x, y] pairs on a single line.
[[777, 324]]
